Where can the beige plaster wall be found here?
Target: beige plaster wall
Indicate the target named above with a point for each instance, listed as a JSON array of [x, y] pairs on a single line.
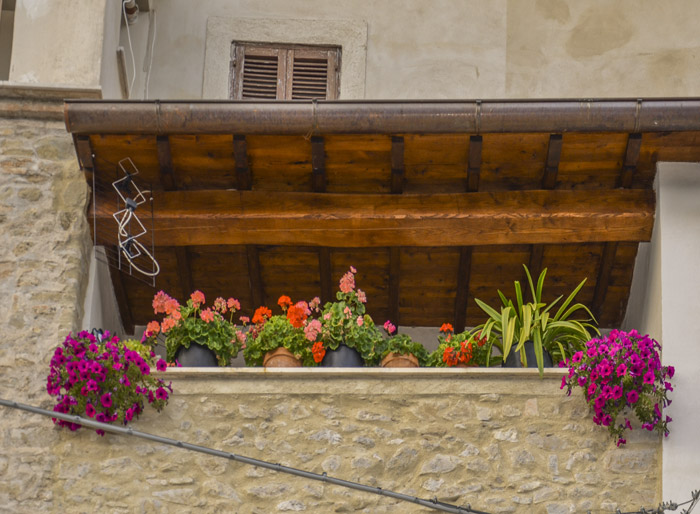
[[461, 49], [58, 42]]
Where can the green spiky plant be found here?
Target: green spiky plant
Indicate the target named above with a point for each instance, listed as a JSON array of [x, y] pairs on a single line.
[[519, 322]]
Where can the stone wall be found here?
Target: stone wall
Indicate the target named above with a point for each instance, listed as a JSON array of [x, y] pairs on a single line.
[[500, 441], [43, 256]]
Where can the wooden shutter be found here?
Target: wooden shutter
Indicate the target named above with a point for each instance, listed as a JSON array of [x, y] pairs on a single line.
[[284, 72]]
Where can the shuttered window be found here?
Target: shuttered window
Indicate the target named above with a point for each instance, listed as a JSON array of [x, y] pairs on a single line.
[[284, 72]]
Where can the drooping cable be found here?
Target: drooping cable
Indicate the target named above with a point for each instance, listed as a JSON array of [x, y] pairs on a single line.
[[131, 48]]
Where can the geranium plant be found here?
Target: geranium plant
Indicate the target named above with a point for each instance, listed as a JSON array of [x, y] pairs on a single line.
[[345, 321], [294, 330], [195, 323], [619, 374], [108, 380], [401, 344], [462, 349]]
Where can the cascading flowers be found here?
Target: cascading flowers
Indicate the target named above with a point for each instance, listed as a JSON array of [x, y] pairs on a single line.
[[108, 380], [622, 371]]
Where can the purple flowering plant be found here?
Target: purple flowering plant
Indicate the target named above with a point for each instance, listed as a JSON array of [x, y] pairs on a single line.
[[108, 380], [622, 373]]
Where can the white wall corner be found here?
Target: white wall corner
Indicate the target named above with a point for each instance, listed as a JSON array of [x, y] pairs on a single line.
[[350, 35]]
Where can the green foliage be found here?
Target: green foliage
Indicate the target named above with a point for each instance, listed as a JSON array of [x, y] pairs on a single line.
[[403, 345], [519, 322], [278, 332]]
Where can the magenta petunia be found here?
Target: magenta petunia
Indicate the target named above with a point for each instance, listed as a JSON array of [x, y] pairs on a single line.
[[90, 410], [161, 394], [632, 397], [106, 400], [621, 370], [161, 365], [649, 377]]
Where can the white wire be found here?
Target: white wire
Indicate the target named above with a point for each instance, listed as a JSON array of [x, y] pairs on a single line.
[[150, 61], [131, 48]]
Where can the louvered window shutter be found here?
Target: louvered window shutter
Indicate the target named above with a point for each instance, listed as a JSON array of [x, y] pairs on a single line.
[[272, 72]]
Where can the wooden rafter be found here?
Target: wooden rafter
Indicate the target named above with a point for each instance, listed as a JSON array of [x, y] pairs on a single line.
[[257, 292], [394, 276], [462, 296], [634, 144], [342, 220], [165, 162], [474, 163], [324, 265], [318, 165], [551, 169], [184, 272], [240, 153], [397, 165], [607, 261]]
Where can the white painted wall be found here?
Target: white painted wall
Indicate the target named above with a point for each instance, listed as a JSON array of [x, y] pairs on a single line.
[[109, 74], [667, 288]]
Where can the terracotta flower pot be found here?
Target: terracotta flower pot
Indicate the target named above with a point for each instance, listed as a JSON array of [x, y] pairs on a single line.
[[281, 358], [396, 360]]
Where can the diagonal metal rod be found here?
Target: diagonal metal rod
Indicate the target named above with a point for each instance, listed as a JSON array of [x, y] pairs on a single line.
[[432, 504]]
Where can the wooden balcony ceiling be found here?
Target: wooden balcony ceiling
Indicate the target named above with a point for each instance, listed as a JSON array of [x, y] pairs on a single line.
[[434, 203]]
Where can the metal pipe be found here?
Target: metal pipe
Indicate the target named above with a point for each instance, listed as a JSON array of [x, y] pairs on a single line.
[[433, 504], [382, 117]]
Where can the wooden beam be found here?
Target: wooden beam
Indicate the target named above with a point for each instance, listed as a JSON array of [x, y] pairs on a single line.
[[122, 298], [551, 169], [187, 218], [83, 149], [257, 292], [474, 164], [394, 276], [184, 272], [318, 165], [397, 165], [240, 154], [634, 143], [324, 266], [607, 260], [462, 296], [165, 162]]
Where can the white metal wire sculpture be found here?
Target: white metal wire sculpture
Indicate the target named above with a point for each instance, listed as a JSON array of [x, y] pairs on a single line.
[[129, 225]]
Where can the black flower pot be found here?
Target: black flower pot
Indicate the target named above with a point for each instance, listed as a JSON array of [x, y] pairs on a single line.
[[196, 355], [513, 359], [343, 357]]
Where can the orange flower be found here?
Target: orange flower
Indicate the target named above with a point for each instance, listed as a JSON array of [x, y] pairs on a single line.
[[159, 301], [284, 302], [197, 298], [449, 357], [234, 304], [446, 327], [261, 315], [152, 328], [167, 324], [318, 351], [207, 315], [171, 306], [220, 305], [296, 316]]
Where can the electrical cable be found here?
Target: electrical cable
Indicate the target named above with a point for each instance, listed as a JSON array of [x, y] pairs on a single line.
[[131, 48]]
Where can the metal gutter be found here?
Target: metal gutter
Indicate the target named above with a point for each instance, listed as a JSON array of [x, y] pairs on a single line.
[[382, 117]]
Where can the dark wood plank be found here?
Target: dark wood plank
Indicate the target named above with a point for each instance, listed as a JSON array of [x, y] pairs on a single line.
[[257, 291], [474, 165], [184, 272], [535, 265], [324, 265], [397, 165], [462, 294], [318, 165], [183, 218], [84, 150], [165, 161], [240, 153], [607, 260], [394, 280], [629, 168], [549, 180]]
